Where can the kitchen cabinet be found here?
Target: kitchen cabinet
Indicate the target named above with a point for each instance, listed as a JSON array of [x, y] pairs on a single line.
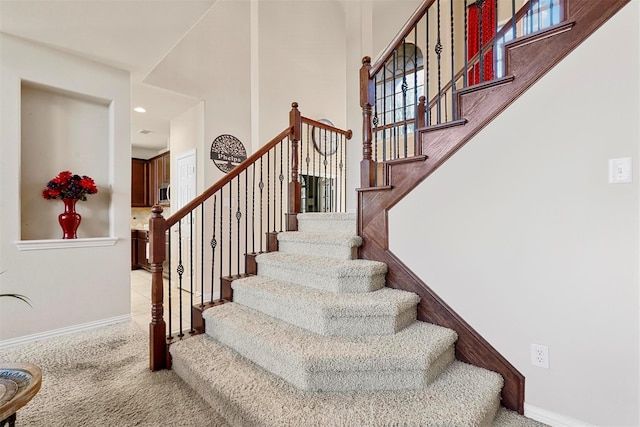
[[159, 175], [139, 240], [147, 176], [139, 183]]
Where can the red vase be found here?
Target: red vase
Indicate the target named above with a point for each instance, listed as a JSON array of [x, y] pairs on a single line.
[[69, 220]]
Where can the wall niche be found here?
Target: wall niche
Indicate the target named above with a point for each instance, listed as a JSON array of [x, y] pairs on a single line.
[[62, 130]]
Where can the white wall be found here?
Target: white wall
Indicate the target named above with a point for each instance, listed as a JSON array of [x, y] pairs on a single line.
[[302, 54], [522, 235], [68, 286]]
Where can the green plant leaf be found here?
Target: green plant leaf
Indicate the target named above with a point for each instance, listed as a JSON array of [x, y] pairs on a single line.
[[18, 296]]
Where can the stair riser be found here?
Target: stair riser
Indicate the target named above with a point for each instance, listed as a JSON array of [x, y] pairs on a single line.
[[288, 367], [329, 251], [337, 285], [305, 317], [316, 226]]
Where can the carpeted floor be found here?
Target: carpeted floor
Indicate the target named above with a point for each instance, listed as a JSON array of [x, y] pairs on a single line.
[[101, 378]]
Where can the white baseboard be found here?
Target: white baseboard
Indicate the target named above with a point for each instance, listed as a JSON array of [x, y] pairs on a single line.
[[551, 418], [63, 331]]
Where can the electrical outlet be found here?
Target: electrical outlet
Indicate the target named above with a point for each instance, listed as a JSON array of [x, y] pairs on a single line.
[[540, 355]]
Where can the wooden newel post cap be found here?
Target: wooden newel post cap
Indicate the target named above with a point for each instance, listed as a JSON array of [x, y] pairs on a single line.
[[294, 105], [156, 210], [366, 60]]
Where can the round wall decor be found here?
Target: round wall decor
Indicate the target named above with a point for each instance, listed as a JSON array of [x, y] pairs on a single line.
[[324, 141], [227, 152]]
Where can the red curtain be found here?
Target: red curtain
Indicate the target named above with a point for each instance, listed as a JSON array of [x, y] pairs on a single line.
[[473, 40]]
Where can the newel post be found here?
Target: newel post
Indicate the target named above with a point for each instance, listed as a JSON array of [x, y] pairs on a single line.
[[157, 327], [295, 189], [367, 165]]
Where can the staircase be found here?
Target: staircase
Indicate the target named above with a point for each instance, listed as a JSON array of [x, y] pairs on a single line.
[[317, 339]]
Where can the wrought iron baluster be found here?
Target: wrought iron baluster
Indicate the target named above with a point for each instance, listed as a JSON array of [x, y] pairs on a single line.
[[324, 161], [438, 50], [404, 87], [530, 16], [374, 119], [453, 68], [213, 248], [395, 91], [479, 4], [305, 202], [246, 218], [180, 271], [202, 282], [191, 277], [253, 208], [415, 82], [513, 22], [261, 186], [221, 234], [427, 90], [465, 82], [268, 189], [169, 287], [494, 48], [384, 114], [342, 148], [230, 227], [281, 178], [238, 218]]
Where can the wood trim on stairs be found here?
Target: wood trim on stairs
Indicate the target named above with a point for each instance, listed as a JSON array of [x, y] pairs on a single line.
[[526, 61]]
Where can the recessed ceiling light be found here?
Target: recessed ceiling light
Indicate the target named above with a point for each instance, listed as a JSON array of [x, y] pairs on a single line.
[[139, 110]]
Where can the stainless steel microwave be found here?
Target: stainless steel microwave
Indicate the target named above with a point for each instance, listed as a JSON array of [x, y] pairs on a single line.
[[164, 194]]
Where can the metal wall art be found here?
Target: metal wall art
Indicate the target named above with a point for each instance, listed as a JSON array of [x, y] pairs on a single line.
[[227, 152]]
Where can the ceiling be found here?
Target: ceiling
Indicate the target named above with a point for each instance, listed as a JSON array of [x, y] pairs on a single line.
[[134, 35]]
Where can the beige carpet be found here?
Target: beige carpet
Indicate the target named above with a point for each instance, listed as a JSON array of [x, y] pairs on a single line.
[[101, 378]]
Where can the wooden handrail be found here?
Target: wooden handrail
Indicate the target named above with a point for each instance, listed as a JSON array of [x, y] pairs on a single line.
[[347, 133], [182, 212], [404, 32], [476, 58]]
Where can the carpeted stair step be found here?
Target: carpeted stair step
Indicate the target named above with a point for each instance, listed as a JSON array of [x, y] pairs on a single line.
[[328, 274], [409, 359], [247, 396], [335, 222], [326, 244], [382, 312]]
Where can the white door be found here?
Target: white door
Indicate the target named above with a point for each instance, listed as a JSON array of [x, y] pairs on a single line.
[[184, 192]]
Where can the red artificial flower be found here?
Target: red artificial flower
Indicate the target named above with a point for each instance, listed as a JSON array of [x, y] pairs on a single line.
[[67, 185]]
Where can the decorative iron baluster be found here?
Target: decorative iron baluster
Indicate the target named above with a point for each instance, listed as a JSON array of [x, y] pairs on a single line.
[[479, 4], [202, 282], [281, 178], [238, 218], [213, 248], [394, 119], [384, 114], [169, 288], [261, 186], [494, 48], [453, 68], [375, 120], [324, 162], [427, 89], [180, 271], [340, 195], [415, 83], [246, 218], [253, 209], [530, 16], [305, 202], [404, 88], [191, 277], [268, 188], [513, 23], [465, 82], [230, 226], [221, 268], [438, 50]]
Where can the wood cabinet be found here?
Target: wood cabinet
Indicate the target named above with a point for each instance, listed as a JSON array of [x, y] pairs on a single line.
[[147, 176], [139, 183], [139, 240]]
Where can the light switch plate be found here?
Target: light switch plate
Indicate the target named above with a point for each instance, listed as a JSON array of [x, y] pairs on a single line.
[[620, 171]]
